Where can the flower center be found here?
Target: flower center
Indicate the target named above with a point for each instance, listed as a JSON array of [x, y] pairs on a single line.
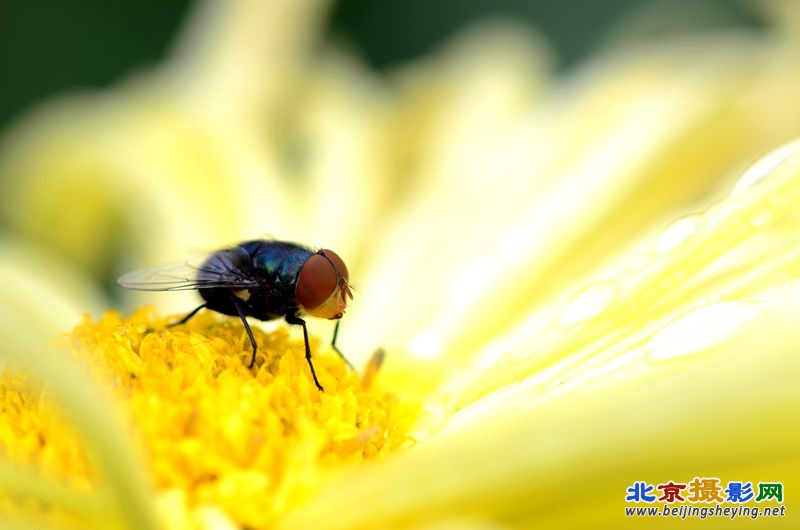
[[251, 443]]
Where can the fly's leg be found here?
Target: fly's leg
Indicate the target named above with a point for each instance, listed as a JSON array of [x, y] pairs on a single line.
[[249, 333], [337, 350], [185, 319], [300, 322]]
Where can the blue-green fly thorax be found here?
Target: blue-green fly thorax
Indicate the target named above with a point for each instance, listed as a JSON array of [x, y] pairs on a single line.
[[280, 261]]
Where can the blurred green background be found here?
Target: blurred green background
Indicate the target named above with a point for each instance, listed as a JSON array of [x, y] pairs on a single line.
[[47, 46]]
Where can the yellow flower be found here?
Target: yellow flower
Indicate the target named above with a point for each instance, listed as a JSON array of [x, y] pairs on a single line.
[[246, 442], [577, 284]]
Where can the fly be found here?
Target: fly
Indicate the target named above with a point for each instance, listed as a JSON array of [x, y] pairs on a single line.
[[262, 279]]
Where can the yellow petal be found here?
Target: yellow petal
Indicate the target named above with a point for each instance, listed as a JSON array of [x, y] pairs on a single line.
[[672, 380], [28, 321], [599, 161]]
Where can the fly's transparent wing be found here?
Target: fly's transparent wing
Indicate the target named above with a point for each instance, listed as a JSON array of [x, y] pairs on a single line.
[[229, 269], [172, 277]]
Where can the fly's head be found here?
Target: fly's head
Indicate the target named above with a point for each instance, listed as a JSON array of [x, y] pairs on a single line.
[[323, 285]]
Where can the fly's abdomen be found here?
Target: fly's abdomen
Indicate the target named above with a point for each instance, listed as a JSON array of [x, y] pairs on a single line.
[[219, 300]]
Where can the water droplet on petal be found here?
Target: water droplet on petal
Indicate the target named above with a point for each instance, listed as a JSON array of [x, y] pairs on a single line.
[[589, 302], [701, 329], [677, 232], [760, 170]]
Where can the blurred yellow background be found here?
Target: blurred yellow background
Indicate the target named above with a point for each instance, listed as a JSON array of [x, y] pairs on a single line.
[[550, 226]]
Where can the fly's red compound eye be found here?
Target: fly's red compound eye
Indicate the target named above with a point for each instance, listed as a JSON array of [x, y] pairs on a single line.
[[341, 268], [319, 278]]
